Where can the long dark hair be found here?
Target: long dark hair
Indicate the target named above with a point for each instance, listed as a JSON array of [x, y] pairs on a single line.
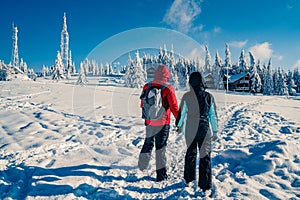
[[196, 80]]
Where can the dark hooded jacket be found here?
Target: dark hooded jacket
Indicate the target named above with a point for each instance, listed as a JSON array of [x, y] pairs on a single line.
[[197, 108], [169, 101]]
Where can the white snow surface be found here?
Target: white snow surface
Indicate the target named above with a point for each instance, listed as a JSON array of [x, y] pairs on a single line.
[[59, 140]]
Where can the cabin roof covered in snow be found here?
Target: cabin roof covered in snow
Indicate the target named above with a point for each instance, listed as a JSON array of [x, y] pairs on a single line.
[[236, 77]]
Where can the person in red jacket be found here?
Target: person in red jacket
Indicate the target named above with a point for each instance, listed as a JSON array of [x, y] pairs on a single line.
[[157, 131]]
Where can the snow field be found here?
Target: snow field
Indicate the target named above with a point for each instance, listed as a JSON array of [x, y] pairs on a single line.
[[64, 141]]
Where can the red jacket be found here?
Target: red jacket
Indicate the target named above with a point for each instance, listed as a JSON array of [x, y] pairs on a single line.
[[162, 75]]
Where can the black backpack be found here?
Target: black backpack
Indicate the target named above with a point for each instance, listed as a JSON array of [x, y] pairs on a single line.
[[152, 107]]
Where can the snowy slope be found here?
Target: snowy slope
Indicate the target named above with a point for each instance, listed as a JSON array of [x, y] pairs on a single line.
[[63, 141]]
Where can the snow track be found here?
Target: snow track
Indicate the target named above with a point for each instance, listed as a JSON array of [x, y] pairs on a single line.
[[54, 146]]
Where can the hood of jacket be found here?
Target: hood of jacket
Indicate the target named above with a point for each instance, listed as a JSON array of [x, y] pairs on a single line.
[[197, 81], [162, 74]]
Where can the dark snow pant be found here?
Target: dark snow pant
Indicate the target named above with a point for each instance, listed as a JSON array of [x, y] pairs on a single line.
[[158, 135], [205, 173]]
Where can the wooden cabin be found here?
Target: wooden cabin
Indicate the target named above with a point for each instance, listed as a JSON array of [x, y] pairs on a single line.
[[238, 82], [209, 80]]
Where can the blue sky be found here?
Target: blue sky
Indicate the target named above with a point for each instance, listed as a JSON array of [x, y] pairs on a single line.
[[267, 28]]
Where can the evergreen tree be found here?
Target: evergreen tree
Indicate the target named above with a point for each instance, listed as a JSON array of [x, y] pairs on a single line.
[[260, 71], [188, 67], [95, 68], [268, 82], [111, 71], [107, 69], [175, 80], [207, 64], [243, 66], [7, 72], [182, 73], [58, 73], [282, 87], [101, 70], [87, 66], [44, 71], [255, 83], [135, 75], [2, 71], [296, 77], [252, 62], [199, 67], [68, 76], [71, 64], [23, 68], [227, 63], [276, 82], [298, 81], [290, 83], [1, 64], [217, 72], [81, 78]]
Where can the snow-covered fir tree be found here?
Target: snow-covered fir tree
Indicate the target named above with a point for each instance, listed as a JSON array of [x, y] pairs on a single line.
[[135, 75], [68, 74], [23, 66], [94, 67], [217, 72], [71, 64], [81, 78], [260, 71], [111, 70], [228, 63], [101, 70], [182, 73], [2, 64], [268, 87], [276, 82], [174, 75], [163, 56], [15, 51], [252, 62], [2, 71], [255, 82], [58, 73], [283, 90], [296, 77], [87, 66], [8, 72], [175, 80], [44, 71], [243, 65], [200, 68], [64, 45], [107, 69], [290, 83], [188, 66], [207, 63], [172, 56]]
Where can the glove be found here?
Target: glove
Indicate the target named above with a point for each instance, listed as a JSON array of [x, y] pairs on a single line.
[[215, 136]]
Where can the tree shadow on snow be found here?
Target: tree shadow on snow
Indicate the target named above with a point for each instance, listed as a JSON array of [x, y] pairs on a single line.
[[19, 182]]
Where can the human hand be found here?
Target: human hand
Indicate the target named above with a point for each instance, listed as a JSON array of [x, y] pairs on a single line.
[[214, 136], [179, 129]]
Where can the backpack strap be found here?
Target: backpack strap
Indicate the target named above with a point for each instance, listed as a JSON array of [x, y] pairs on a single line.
[[145, 92], [162, 87]]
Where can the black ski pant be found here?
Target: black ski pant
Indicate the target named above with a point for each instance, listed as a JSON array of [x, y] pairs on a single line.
[[205, 173], [157, 135]]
